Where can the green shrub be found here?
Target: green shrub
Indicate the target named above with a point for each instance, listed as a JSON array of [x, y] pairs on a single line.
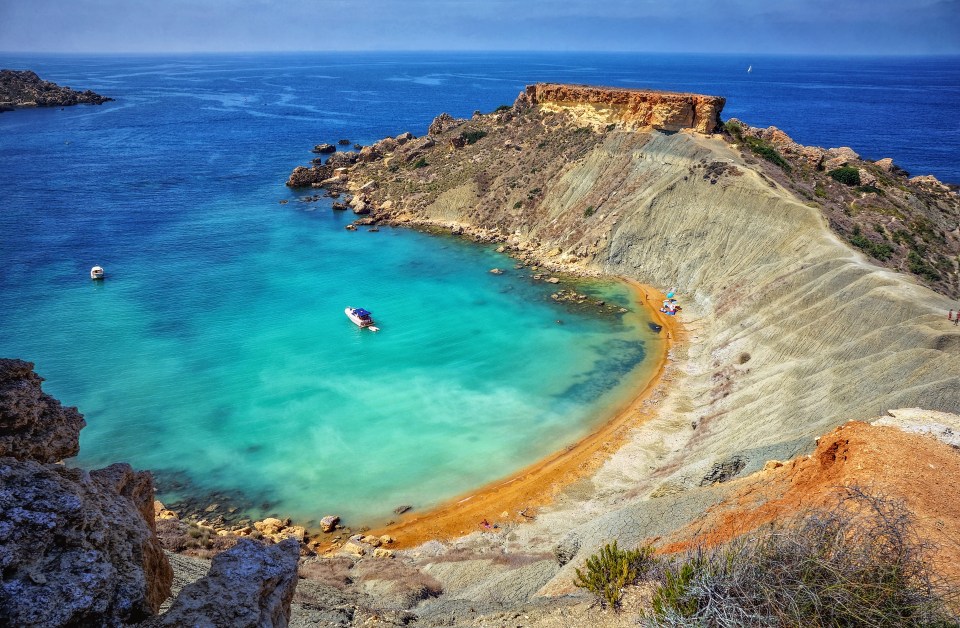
[[420, 163], [588, 212], [879, 251], [869, 188], [756, 145], [767, 151], [734, 130], [846, 175], [518, 205], [919, 266], [502, 108], [860, 563], [473, 136], [606, 573], [820, 191]]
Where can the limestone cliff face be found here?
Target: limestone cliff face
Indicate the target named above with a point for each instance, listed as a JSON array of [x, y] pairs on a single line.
[[668, 111], [248, 586], [80, 548]]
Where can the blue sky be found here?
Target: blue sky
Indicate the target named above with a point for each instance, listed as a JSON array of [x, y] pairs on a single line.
[[755, 26]]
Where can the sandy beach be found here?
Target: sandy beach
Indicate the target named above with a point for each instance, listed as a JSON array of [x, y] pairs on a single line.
[[517, 498]]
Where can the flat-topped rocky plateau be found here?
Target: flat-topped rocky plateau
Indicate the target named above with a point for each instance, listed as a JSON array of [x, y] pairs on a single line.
[[21, 89], [807, 358]]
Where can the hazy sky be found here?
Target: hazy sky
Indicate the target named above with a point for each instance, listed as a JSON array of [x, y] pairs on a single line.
[[771, 26]]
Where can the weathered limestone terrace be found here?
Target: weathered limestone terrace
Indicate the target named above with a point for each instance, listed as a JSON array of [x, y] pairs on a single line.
[[636, 108]]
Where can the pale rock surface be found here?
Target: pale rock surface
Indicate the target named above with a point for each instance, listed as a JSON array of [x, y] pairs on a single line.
[[78, 548], [944, 426], [248, 586]]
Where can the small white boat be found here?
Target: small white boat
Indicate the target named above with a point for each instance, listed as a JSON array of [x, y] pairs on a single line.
[[749, 69], [96, 272], [361, 317]]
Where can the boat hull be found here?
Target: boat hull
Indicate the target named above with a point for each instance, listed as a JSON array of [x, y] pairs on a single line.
[[359, 322]]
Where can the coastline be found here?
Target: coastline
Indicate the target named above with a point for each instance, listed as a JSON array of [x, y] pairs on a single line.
[[537, 485]]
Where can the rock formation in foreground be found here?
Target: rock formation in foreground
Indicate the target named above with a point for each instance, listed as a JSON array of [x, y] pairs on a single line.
[[76, 547], [79, 548], [248, 586], [26, 89]]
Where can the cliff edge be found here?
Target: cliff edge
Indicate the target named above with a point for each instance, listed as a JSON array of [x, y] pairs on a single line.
[[634, 108], [79, 548]]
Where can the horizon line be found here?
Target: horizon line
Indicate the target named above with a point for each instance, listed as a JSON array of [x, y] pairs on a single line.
[[483, 51]]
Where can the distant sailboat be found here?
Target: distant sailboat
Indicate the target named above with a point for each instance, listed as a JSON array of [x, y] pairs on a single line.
[[749, 69]]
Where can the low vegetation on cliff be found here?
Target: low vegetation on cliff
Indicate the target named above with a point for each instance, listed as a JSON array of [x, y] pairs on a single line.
[[859, 563], [505, 163], [908, 224]]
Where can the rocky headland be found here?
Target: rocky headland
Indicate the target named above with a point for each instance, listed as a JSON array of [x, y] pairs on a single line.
[[816, 284], [792, 328], [24, 88]]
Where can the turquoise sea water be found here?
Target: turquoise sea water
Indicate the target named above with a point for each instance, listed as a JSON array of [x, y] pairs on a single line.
[[217, 353]]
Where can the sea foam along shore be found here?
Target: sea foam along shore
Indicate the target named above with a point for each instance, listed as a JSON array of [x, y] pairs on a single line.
[[516, 498]]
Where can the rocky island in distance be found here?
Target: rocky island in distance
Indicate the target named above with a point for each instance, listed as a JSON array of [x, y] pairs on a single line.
[[23, 88]]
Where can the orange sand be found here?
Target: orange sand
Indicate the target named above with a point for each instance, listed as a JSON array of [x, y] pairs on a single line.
[[538, 484], [882, 460]]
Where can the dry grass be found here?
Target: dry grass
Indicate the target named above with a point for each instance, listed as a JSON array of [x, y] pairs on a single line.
[[860, 563]]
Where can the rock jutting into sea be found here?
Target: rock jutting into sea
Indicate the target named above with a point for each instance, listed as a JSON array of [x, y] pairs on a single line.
[[25, 89], [792, 260]]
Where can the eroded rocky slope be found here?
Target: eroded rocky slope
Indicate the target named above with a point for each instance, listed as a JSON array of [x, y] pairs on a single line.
[[791, 330]]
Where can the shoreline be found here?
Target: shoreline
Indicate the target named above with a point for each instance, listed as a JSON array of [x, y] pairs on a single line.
[[538, 484]]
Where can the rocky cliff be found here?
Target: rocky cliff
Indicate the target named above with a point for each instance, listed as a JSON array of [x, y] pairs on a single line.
[[79, 548], [634, 108], [791, 330], [76, 547], [26, 89]]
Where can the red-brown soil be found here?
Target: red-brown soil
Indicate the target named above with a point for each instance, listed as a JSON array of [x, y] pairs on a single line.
[[920, 470]]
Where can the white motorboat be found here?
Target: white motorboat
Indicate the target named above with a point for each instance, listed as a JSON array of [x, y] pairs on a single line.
[[96, 272], [361, 317]]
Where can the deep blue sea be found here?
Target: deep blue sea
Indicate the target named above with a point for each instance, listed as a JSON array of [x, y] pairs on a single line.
[[217, 353]]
